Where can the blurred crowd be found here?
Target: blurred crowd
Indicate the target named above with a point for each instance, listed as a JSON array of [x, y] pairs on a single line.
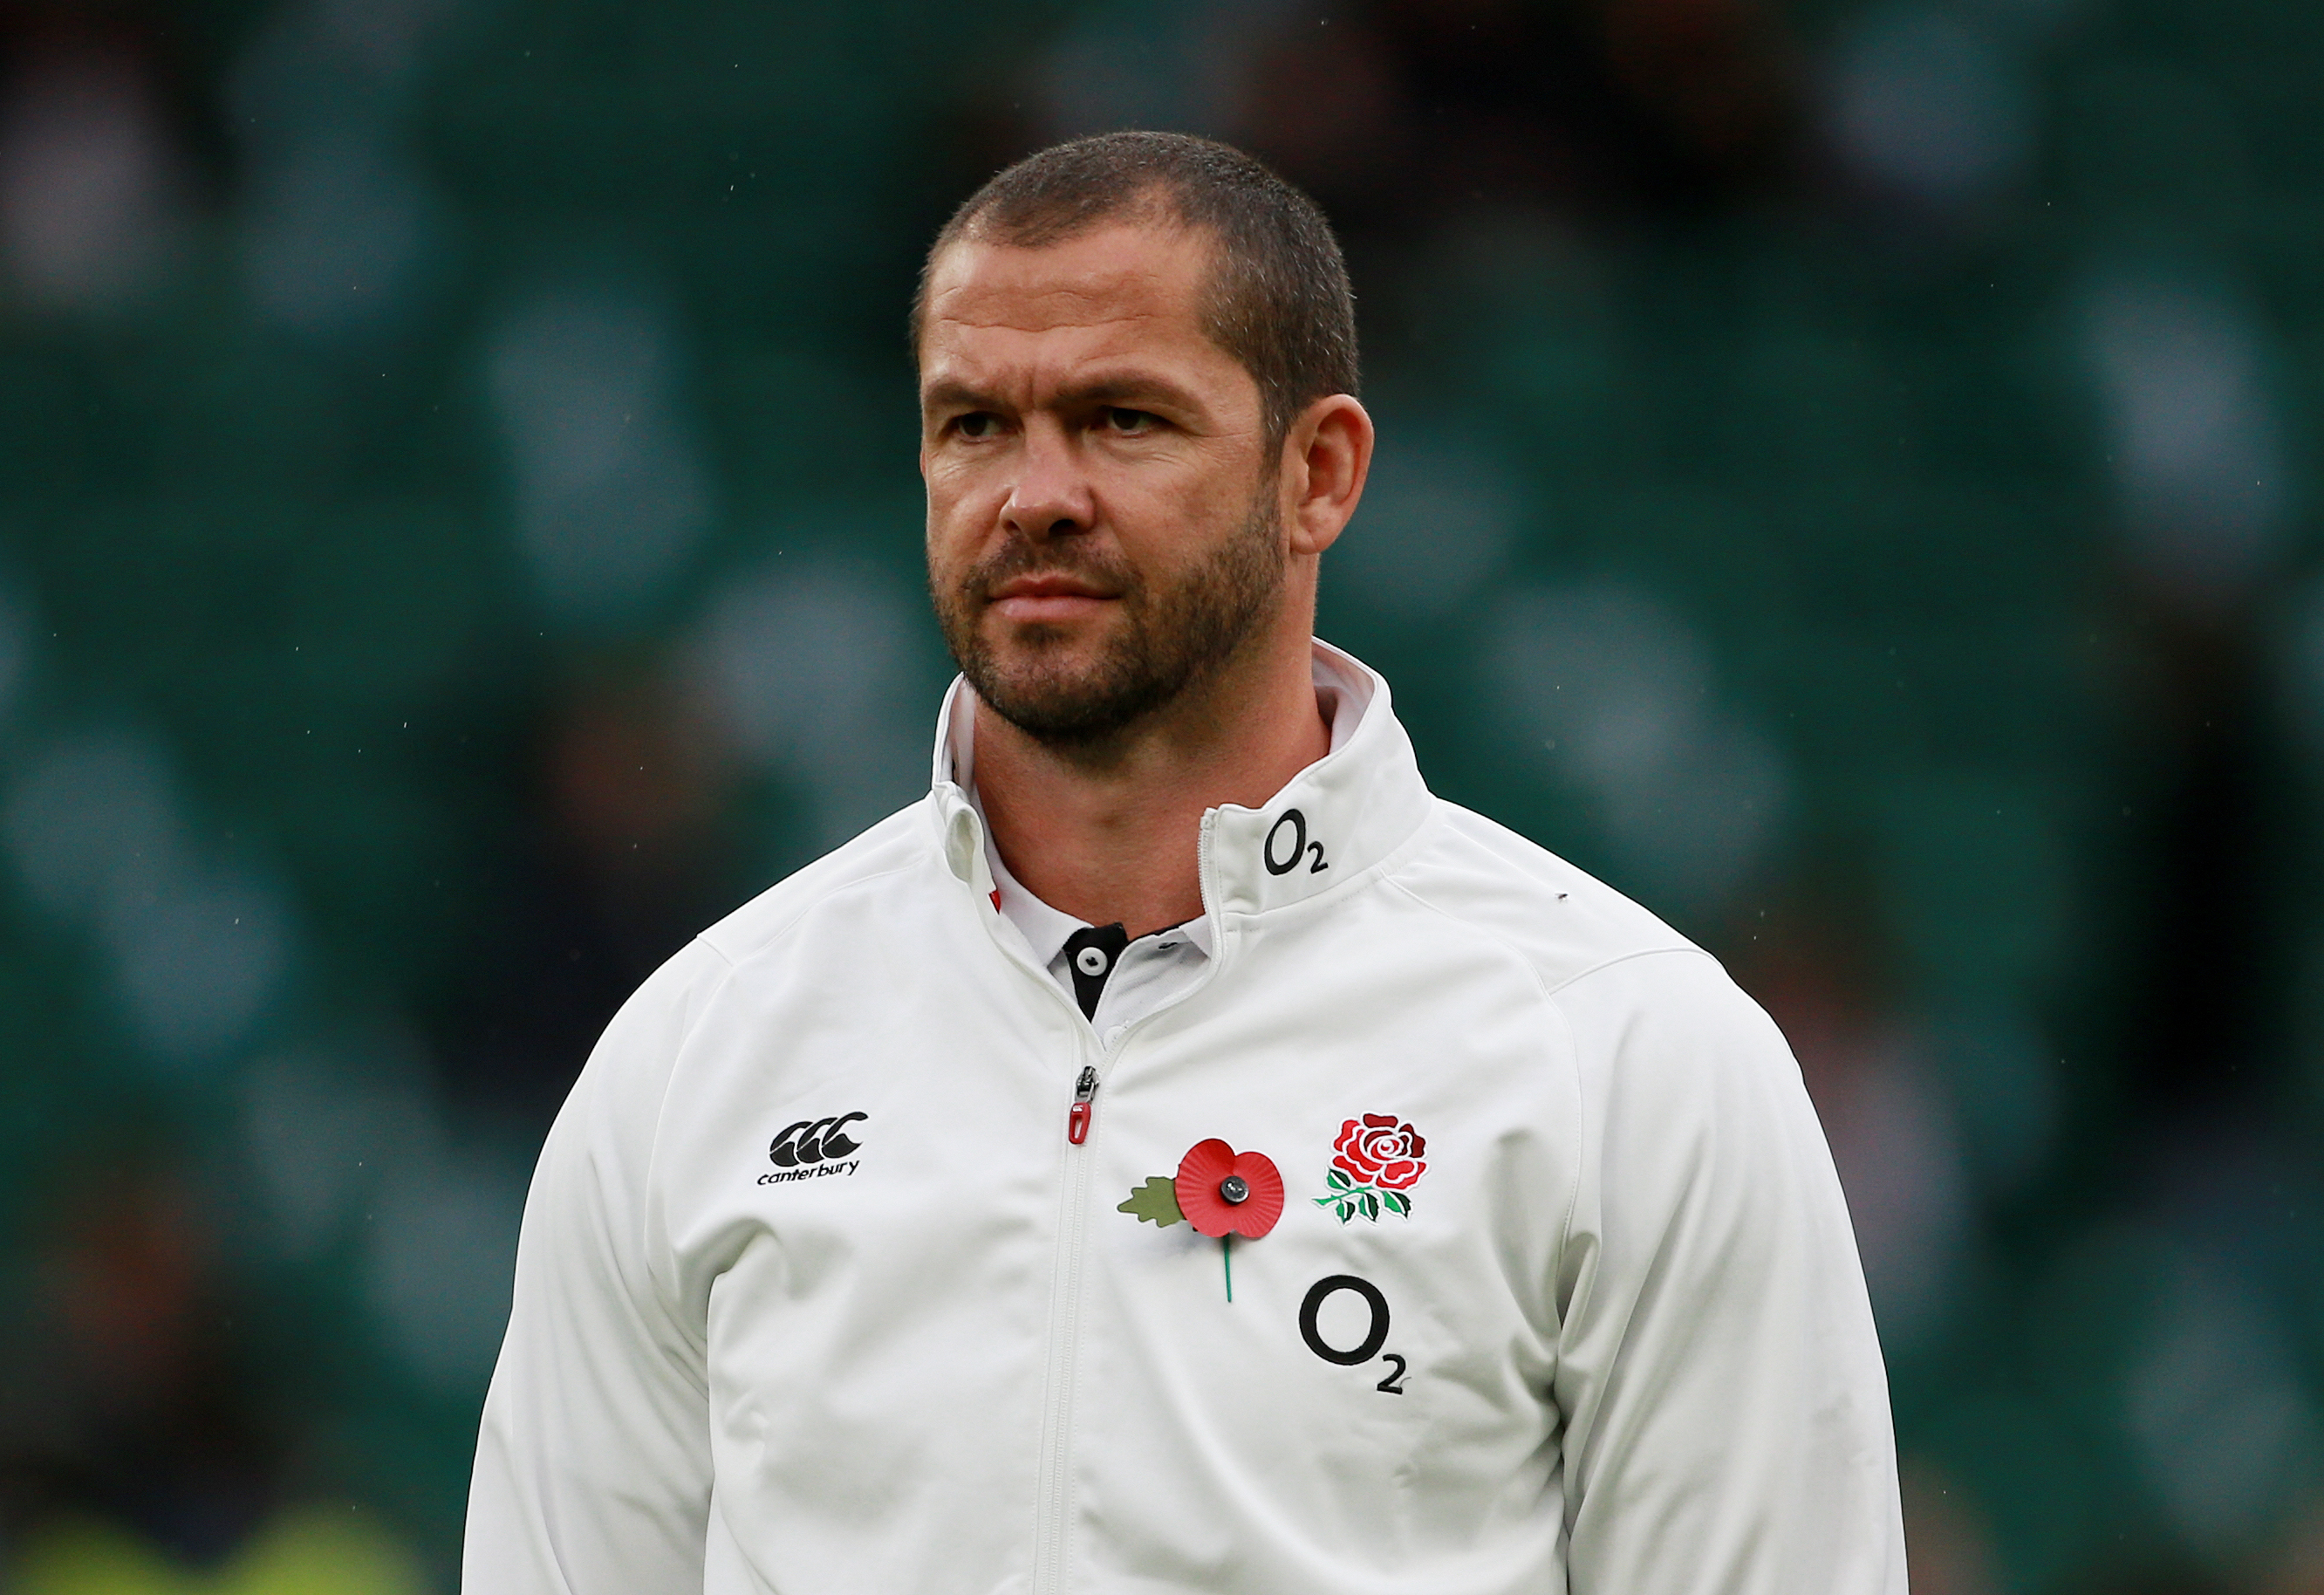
[[1844, 479]]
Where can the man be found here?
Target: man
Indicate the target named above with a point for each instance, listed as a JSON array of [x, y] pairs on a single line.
[[1179, 1153]]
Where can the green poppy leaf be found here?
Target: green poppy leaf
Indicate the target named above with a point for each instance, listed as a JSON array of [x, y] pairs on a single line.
[[1154, 1203]]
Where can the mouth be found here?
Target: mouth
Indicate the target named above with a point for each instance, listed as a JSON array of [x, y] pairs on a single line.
[[1037, 599]]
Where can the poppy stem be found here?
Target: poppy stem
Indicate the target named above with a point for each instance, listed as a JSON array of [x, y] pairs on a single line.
[[1226, 1260]]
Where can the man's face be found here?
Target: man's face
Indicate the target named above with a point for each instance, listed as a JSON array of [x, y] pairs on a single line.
[[1103, 532]]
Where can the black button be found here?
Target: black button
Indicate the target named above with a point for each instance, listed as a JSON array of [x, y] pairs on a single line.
[[1233, 1188], [1090, 953]]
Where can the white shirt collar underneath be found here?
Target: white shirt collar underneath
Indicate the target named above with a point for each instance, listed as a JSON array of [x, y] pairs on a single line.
[[1341, 700]]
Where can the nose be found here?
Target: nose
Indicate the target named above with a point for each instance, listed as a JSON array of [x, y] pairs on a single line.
[[1051, 497]]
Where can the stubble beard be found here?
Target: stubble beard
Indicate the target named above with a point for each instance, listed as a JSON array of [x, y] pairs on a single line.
[[1171, 642]]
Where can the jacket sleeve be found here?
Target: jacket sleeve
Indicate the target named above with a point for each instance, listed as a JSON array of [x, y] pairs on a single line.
[[593, 1466], [1727, 1425]]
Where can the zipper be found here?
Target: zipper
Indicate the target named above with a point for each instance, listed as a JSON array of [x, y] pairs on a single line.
[[1078, 1116], [1207, 879], [1053, 1488], [1054, 1513]]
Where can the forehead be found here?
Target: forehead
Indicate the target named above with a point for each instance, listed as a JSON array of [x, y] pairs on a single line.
[[1112, 289]]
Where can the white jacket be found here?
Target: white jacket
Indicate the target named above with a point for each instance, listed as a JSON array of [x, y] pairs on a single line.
[[816, 1295]]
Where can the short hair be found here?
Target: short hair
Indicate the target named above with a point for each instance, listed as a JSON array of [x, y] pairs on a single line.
[[1279, 297]]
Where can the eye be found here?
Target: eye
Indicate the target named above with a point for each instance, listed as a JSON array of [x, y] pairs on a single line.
[[976, 425], [1129, 423]]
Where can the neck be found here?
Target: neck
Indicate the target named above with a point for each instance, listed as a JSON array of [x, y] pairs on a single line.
[[1112, 834]]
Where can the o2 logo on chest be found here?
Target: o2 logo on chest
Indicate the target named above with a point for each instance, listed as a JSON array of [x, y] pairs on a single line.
[[1311, 1313]]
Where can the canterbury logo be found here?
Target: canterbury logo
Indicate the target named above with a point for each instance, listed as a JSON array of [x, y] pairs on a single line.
[[813, 1148]]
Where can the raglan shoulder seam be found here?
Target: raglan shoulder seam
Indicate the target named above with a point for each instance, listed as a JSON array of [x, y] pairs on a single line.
[[1681, 949], [1555, 1016], [664, 1285], [730, 970], [789, 922]]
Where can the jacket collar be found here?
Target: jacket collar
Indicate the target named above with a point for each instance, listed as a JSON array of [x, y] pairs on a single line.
[[1329, 823]]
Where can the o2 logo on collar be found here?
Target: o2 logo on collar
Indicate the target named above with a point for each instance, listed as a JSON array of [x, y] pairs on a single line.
[[1280, 860], [814, 1148]]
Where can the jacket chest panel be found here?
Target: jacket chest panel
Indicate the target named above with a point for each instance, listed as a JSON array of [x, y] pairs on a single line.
[[875, 1311], [1423, 1122], [876, 1169], [885, 1280]]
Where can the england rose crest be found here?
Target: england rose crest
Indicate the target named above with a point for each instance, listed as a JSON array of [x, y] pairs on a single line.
[[1375, 1162]]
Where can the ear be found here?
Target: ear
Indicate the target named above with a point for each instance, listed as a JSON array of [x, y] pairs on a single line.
[[1326, 456]]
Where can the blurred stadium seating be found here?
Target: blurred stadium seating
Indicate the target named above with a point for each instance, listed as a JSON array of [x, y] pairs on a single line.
[[1846, 478]]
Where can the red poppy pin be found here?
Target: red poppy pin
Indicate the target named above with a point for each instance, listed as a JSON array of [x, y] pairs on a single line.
[[1374, 1165], [1218, 1190]]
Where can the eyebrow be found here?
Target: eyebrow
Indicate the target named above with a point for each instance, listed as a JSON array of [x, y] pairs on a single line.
[[1123, 390]]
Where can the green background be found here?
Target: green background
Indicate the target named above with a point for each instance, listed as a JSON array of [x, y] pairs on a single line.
[[1845, 478]]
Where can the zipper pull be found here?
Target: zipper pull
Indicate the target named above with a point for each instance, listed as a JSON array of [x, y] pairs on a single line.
[[1077, 1119]]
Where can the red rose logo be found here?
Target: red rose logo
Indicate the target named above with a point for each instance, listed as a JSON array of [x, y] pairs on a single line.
[[1375, 1150], [1376, 1160]]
